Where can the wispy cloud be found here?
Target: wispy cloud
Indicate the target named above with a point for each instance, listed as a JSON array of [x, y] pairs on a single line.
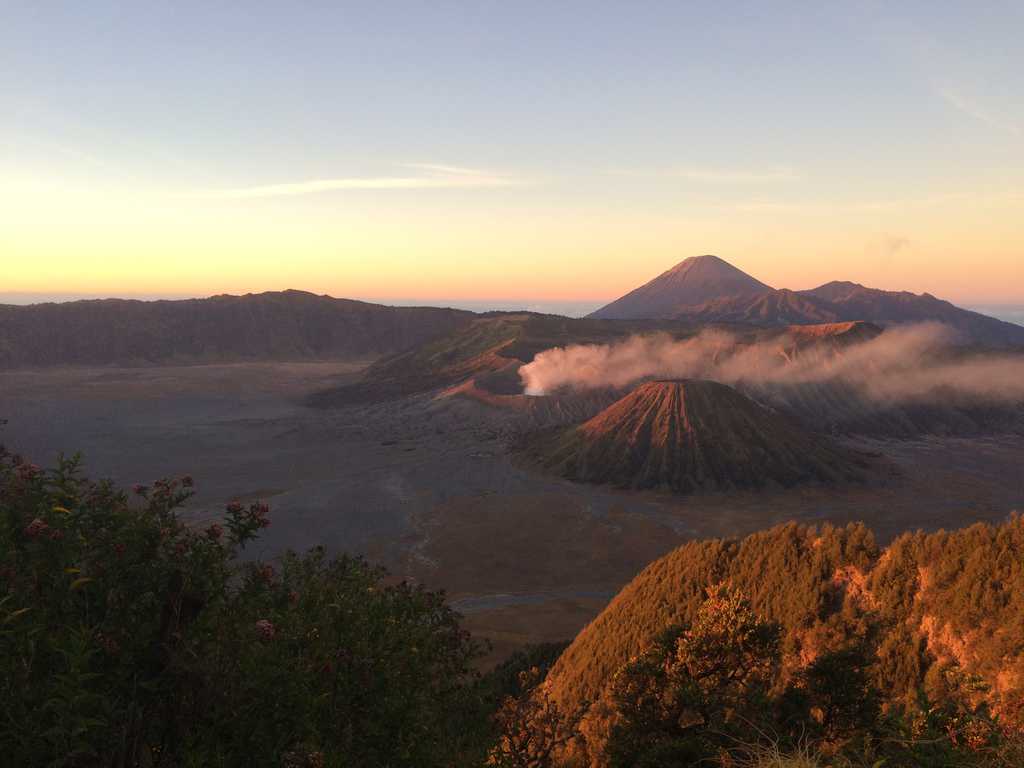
[[885, 248], [715, 175], [432, 177], [962, 102]]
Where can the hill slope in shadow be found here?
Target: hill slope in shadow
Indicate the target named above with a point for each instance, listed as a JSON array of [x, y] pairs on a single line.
[[285, 325]]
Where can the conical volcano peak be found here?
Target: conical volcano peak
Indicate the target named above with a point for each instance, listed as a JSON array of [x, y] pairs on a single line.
[[693, 281], [659, 407], [667, 384], [691, 435], [707, 262]]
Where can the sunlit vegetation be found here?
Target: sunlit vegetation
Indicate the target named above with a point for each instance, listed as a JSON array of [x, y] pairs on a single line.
[[909, 654]]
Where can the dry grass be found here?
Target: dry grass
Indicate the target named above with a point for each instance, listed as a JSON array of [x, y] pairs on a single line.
[[771, 755]]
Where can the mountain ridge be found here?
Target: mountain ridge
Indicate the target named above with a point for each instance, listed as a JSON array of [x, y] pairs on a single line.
[[672, 295], [274, 325]]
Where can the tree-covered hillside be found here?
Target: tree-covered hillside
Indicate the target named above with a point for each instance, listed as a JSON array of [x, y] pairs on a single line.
[[939, 616]]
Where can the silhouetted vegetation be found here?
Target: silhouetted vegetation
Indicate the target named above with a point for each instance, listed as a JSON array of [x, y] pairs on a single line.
[[130, 638]]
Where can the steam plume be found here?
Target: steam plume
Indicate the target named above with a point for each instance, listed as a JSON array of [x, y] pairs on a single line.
[[903, 363]]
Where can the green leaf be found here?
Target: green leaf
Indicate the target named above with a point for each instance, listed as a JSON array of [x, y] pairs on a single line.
[[20, 612]]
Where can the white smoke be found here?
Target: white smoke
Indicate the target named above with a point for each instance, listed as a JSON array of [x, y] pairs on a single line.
[[903, 363]]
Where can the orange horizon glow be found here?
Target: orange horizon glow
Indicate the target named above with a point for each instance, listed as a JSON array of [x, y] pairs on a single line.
[[514, 244], [963, 253]]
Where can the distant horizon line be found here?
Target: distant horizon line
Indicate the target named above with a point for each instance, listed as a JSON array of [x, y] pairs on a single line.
[[576, 307], [1008, 311], [24, 298], [27, 298]]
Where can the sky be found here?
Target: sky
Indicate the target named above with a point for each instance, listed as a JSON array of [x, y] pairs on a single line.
[[508, 152]]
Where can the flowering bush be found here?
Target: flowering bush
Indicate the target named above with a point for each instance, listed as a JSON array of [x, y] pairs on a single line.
[[128, 637]]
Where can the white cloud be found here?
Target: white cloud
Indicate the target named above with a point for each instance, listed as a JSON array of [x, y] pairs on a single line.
[[435, 177]]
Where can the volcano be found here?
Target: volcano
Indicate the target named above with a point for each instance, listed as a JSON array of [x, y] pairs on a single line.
[[688, 436], [692, 282], [706, 289]]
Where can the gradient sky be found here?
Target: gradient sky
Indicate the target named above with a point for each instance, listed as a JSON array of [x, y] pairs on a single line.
[[536, 151]]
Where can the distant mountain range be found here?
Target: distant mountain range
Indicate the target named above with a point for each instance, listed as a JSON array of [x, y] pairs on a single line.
[[296, 325], [285, 325], [708, 289]]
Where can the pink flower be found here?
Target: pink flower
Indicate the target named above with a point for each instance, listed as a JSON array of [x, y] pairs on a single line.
[[27, 471], [36, 528], [119, 549], [265, 629], [186, 481], [293, 597], [139, 490], [214, 532], [234, 507], [56, 534], [258, 514], [265, 573]]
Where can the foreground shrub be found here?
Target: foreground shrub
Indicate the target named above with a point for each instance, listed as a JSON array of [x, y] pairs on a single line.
[[128, 637], [703, 695], [697, 688]]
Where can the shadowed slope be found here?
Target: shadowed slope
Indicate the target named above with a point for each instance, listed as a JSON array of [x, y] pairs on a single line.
[[286, 325], [851, 301], [771, 308], [690, 436], [490, 349], [845, 302]]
